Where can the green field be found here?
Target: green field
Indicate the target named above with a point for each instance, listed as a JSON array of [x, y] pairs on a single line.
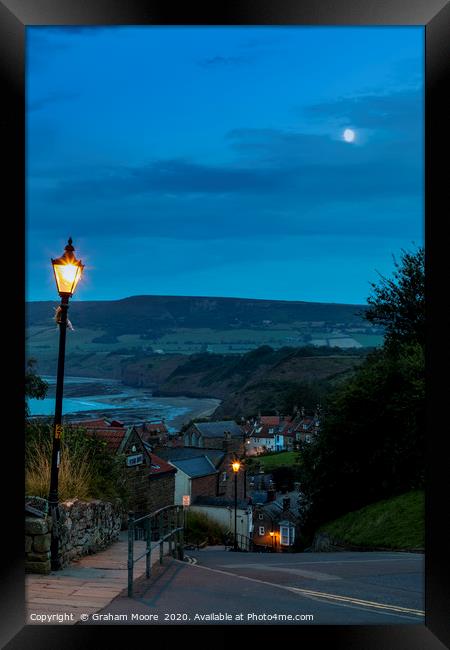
[[368, 340], [397, 523], [280, 459], [41, 340]]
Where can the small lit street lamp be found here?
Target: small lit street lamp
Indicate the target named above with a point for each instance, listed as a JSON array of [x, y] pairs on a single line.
[[236, 465], [68, 271], [272, 535]]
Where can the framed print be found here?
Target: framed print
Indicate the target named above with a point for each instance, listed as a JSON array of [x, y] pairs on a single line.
[[214, 192]]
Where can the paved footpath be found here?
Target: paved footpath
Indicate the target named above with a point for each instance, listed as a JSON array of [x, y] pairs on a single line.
[[84, 587]]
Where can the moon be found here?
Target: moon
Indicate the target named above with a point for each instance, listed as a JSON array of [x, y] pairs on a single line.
[[349, 135]]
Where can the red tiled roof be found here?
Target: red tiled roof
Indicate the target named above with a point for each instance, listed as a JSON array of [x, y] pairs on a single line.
[[271, 420], [147, 429], [101, 429], [160, 466], [156, 426], [113, 436], [90, 424]]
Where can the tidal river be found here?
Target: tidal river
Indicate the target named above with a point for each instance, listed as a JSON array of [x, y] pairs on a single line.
[[85, 397]]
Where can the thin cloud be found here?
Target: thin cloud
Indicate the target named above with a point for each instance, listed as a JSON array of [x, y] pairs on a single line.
[[48, 100], [222, 61], [398, 110]]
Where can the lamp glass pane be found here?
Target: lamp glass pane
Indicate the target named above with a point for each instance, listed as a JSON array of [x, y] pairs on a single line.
[[67, 276]]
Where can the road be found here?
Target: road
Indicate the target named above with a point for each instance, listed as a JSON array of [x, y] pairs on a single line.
[[220, 587]]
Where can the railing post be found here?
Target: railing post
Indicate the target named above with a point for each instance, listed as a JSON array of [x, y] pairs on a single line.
[[169, 521], [177, 534], [182, 533], [148, 557], [130, 552], [161, 543]]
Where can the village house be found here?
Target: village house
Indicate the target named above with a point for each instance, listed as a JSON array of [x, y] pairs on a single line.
[[275, 523], [150, 479], [221, 459], [155, 433], [281, 433], [267, 433], [213, 435], [195, 476]]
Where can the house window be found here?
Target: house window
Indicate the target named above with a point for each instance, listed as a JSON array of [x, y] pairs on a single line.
[[224, 476], [262, 530], [260, 516], [137, 459], [308, 438], [287, 534], [305, 426]]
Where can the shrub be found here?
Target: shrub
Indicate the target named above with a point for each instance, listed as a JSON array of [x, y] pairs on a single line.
[[199, 527], [75, 472], [87, 469]]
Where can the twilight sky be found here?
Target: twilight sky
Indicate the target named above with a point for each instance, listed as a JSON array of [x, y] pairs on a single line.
[[211, 161]]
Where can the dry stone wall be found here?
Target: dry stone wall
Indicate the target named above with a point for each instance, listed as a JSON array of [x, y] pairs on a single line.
[[85, 527]]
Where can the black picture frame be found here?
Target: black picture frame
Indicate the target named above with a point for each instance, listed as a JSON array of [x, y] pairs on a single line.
[[434, 15]]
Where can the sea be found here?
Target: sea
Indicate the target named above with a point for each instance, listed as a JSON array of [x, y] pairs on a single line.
[[86, 397]]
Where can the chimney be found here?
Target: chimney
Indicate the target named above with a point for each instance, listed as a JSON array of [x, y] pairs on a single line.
[[286, 503], [226, 443], [271, 494]]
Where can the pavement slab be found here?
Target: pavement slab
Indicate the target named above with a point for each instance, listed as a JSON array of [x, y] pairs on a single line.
[[85, 586]]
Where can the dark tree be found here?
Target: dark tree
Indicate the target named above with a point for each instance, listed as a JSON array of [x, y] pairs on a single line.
[[371, 443], [35, 387], [398, 303]]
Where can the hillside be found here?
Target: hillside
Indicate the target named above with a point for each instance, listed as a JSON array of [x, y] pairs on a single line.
[[118, 330], [397, 523], [264, 378]]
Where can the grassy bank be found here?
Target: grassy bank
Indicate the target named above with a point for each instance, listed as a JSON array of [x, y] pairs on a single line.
[[279, 459], [397, 523]]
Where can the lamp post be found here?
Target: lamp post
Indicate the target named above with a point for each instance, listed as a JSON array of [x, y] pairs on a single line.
[[272, 534], [236, 466], [67, 270]]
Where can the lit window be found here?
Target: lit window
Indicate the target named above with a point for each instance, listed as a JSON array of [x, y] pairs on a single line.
[[287, 534], [137, 459]]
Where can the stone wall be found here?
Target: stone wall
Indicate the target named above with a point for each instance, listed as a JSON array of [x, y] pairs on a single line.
[[85, 527]]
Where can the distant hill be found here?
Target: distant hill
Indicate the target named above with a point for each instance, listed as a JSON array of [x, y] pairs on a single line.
[[251, 354], [147, 315], [142, 340]]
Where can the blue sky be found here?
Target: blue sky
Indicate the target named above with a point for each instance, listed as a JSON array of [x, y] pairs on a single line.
[[210, 161]]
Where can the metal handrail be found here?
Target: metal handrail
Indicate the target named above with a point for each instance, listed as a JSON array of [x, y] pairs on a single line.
[[174, 516]]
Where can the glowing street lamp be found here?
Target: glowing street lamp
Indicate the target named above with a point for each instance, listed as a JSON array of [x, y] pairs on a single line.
[[68, 271], [236, 465], [272, 535]]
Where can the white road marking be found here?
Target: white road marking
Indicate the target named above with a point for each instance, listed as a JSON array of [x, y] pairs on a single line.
[[315, 575], [276, 564], [392, 610]]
